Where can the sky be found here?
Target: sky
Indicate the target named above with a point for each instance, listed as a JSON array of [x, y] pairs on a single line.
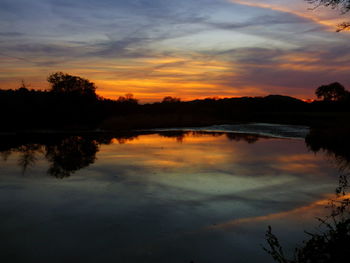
[[184, 48]]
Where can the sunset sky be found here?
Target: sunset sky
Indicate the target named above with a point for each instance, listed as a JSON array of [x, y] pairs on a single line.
[[184, 48]]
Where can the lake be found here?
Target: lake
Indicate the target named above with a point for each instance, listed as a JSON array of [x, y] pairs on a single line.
[[161, 196]]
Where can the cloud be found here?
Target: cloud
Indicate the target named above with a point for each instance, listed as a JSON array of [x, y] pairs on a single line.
[[10, 34], [193, 48], [301, 10], [293, 72]]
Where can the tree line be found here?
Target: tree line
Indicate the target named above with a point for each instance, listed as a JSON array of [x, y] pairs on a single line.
[[71, 103]]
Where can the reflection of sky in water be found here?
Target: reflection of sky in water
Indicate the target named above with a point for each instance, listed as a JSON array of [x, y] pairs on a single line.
[[154, 199]]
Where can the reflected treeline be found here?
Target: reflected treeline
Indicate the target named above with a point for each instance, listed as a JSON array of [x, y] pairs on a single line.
[[333, 141], [70, 155], [181, 135], [67, 154], [249, 138], [332, 242]]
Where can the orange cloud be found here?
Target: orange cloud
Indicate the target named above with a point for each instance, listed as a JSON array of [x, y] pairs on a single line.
[[321, 17], [311, 208]]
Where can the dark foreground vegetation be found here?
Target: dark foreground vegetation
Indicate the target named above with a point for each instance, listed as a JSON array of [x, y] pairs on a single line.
[[330, 243], [72, 104]]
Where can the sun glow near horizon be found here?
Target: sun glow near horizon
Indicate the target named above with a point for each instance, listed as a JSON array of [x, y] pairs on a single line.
[[194, 49]]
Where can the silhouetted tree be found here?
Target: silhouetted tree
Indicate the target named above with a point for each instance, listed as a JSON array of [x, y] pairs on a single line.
[[332, 92], [170, 99], [68, 84], [23, 88], [128, 98]]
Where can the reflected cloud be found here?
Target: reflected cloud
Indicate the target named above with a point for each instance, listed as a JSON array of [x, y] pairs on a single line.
[[176, 152], [172, 187], [314, 208]]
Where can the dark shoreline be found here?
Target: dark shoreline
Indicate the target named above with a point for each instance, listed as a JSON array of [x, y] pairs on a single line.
[[30, 110], [259, 129], [132, 124]]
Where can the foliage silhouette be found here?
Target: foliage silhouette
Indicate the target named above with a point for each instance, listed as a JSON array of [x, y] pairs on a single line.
[[170, 99], [128, 99], [72, 104], [68, 84], [344, 6], [331, 243], [332, 92]]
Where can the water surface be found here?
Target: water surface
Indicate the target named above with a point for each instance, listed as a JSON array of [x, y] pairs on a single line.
[[163, 197]]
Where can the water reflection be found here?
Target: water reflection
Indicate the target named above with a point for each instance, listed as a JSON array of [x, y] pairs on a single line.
[[164, 197], [68, 154], [181, 135], [334, 142], [249, 138], [330, 243]]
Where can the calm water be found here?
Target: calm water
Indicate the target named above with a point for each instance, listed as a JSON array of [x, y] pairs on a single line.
[[171, 197]]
